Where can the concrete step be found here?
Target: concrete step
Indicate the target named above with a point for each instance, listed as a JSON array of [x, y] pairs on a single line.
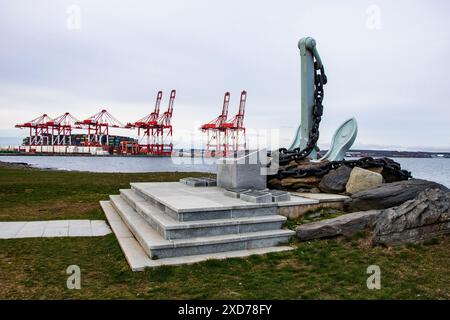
[[157, 247], [138, 260], [170, 228], [182, 203], [136, 257]]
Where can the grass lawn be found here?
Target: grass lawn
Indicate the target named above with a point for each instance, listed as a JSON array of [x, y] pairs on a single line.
[[326, 269]]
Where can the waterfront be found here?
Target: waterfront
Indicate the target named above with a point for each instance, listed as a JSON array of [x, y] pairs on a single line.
[[435, 169]]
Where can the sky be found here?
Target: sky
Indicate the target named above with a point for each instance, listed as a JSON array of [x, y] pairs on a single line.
[[386, 61]]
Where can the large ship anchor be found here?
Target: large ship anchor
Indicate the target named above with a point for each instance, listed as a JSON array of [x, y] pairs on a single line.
[[287, 162], [311, 96]]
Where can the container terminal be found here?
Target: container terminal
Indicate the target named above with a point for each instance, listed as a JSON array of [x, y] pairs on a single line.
[[60, 135]]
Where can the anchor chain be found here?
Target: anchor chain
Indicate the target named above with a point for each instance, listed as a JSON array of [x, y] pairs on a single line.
[[392, 168], [320, 79]]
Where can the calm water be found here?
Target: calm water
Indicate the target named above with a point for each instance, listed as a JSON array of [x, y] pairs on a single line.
[[116, 164], [436, 169]]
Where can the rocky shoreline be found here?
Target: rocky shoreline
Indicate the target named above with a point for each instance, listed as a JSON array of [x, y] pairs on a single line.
[[16, 165], [396, 210], [425, 217], [24, 165]]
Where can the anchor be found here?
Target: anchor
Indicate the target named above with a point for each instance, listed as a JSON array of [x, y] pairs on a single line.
[[294, 161], [312, 80]]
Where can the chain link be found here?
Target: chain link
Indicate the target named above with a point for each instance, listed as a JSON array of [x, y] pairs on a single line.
[[286, 156], [392, 168]]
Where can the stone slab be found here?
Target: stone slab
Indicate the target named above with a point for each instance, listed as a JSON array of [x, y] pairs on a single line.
[[181, 198], [279, 196], [56, 232], [99, 228], [234, 192], [322, 197], [211, 182], [199, 182], [59, 223], [53, 228], [33, 229], [194, 182], [256, 197], [9, 230], [297, 201]]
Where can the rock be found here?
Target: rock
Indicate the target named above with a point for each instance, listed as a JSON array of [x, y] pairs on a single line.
[[362, 179], [422, 218], [303, 190], [314, 190], [306, 190], [311, 165], [274, 183], [346, 224], [336, 180], [376, 169], [391, 194], [296, 183]]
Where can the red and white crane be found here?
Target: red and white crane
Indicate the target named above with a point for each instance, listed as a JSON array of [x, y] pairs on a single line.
[[147, 127], [98, 128], [214, 134], [155, 129], [39, 133], [235, 130], [164, 129], [62, 129]]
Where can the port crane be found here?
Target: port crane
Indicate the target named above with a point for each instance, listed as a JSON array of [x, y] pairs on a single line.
[[39, 133], [235, 130], [98, 128], [165, 130], [215, 141], [156, 129], [61, 128]]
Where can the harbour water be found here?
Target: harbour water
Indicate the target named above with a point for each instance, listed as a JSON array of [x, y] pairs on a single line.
[[435, 169]]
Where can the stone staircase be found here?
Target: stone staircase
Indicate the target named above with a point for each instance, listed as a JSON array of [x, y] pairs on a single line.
[[208, 224]]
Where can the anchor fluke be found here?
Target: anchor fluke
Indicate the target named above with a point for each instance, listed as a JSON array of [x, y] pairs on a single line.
[[342, 141]]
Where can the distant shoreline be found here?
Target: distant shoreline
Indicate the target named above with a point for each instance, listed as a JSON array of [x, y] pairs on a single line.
[[350, 154]]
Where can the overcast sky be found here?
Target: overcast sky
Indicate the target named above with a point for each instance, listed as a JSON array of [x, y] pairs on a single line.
[[387, 64]]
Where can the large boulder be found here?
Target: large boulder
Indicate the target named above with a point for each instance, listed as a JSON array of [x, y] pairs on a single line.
[[336, 180], [346, 224], [425, 217], [389, 175], [391, 194], [362, 179]]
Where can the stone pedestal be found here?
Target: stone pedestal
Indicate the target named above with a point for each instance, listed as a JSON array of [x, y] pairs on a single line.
[[246, 171]]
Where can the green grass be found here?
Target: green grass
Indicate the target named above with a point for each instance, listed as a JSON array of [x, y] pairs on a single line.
[[32, 194], [326, 269], [313, 216]]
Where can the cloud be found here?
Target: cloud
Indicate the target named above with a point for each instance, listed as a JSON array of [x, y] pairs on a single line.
[[393, 80]]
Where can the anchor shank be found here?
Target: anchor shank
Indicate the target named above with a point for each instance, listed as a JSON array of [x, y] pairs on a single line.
[[308, 51]]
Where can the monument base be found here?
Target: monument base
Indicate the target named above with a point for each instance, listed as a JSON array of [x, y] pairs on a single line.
[[246, 171]]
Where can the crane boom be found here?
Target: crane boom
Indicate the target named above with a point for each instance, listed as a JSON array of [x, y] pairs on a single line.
[[226, 102]]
